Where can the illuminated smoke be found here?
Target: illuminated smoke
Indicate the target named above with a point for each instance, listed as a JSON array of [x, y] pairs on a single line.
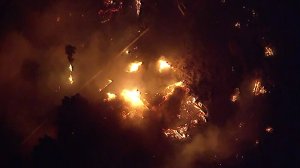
[[134, 67]]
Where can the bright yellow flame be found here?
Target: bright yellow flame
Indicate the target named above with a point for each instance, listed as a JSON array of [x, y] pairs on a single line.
[[110, 96], [258, 88], [163, 65], [70, 67], [71, 79], [133, 97], [134, 67]]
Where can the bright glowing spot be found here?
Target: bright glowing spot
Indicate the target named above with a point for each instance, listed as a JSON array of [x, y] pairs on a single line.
[[138, 5], [179, 133], [110, 96], [133, 97], [258, 88], [235, 95], [71, 79], [163, 65], [70, 67], [269, 129], [269, 52], [237, 25], [134, 67], [171, 88]]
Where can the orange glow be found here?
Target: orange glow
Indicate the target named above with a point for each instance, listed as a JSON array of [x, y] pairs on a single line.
[[134, 67], [110, 96], [133, 97], [71, 79], [163, 65], [258, 88]]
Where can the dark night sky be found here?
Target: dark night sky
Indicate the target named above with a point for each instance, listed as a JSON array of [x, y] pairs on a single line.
[[46, 122]]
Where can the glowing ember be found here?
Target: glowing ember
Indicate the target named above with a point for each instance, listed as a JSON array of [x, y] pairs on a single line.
[[134, 67], [138, 5], [269, 52], [258, 88], [133, 97], [179, 133], [71, 79], [235, 95], [269, 130], [163, 65], [110, 96]]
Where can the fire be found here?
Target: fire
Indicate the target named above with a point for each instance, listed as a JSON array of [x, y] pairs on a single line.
[[269, 51], [138, 5], [269, 129], [163, 65], [109, 82], [133, 97], [179, 133], [134, 67], [170, 89], [71, 68], [110, 96], [258, 88], [235, 95], [71, 79]]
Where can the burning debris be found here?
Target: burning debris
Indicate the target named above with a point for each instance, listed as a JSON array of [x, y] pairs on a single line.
[[235, 95], [110, 8], [269, 51], [180, 133], [258, 88]]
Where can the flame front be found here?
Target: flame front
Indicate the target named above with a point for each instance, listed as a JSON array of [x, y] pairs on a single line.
[[163, 65], [134, 67]]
